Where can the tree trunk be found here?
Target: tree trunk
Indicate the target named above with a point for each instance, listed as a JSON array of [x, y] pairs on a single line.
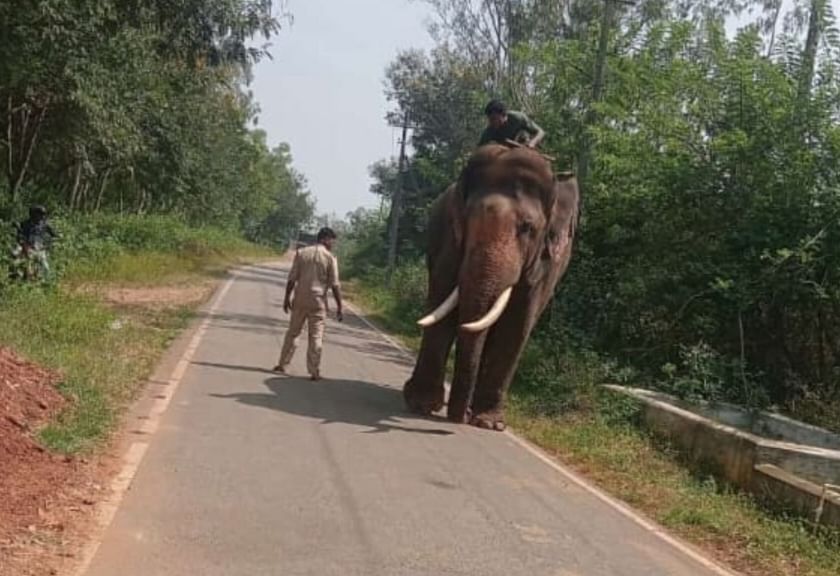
[[74, 191], [83, 196], [597, 93], [816, 23], [775, 22], [141, 204], [22, 131], [10, 145], [103, 183]]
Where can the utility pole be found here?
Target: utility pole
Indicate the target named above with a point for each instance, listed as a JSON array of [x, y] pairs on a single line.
[[396, 203]]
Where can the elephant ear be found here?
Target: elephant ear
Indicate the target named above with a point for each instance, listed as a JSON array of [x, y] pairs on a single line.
[[562, 219]]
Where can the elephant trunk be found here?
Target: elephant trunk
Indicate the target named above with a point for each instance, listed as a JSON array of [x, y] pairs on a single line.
[[495, 312], [489, 272], [491, 266]]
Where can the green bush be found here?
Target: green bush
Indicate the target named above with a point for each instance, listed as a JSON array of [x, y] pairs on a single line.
[[88, 242], [400, 302], [557, 374], [150, 233], [705, 374]]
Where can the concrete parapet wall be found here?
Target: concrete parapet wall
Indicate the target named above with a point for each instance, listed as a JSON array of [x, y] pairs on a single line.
[[797, 494], [788, 472]]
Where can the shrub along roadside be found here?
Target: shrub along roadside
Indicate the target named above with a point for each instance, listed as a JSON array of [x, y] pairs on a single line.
[[556, 403], [105, 352], [397, 314]]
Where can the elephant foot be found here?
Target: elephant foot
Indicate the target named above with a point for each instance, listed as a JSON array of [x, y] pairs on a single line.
[[423, 400], [492, 420]]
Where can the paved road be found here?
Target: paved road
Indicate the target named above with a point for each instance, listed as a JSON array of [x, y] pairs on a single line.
[[250, 474]]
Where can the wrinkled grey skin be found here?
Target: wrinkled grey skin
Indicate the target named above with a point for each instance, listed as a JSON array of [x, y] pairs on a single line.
[[508, 221]]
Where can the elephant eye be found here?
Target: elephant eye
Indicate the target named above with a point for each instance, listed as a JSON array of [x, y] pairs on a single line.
[[524, 228]]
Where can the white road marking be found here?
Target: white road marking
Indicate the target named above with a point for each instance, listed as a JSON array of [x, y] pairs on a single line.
[[621, 507]]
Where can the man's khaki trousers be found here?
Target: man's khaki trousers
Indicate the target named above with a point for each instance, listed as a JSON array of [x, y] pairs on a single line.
[[316, 316]]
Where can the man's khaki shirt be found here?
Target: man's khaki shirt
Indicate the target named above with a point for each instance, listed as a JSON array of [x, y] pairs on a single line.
[[315, 271]]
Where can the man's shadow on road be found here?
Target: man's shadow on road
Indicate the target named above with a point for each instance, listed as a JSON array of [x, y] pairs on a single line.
[[340, 401]]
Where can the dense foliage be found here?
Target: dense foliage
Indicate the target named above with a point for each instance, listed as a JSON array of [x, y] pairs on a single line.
[[141, 107], [708, 255]]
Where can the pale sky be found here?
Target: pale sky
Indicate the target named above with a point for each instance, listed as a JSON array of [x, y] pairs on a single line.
[[323, 91]]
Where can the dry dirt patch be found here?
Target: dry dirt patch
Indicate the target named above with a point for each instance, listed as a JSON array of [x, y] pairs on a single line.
[[153, 298], [44, 497]]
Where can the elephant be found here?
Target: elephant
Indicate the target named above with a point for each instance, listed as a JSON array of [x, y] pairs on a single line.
[[499, 240]]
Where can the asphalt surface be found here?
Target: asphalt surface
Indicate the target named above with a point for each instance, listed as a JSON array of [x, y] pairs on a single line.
[[250, 474]]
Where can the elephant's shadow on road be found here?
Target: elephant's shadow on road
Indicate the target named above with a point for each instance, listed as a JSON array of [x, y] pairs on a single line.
[[376, 408]]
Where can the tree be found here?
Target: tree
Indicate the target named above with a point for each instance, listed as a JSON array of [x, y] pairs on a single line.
[[140, 106], [709, 244]]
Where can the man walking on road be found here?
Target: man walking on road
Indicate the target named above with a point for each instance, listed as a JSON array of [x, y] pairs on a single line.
[[313, 273]]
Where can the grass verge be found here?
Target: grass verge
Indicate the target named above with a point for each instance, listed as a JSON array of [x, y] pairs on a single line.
[[384, 311], [598, 437], [106, 350]]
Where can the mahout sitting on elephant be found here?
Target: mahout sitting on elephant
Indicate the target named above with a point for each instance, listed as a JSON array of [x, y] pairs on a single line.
[[499, 240]]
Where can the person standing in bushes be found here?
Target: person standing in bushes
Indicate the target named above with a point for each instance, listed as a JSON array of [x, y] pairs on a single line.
[[314, 272], [34, 236]]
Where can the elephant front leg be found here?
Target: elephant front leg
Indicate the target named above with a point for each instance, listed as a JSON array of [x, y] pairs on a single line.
[[424, 392], [467, 363], [505, 343]]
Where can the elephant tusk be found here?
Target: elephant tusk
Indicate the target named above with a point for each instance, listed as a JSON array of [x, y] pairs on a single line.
[[441, 311], [492, 316]]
